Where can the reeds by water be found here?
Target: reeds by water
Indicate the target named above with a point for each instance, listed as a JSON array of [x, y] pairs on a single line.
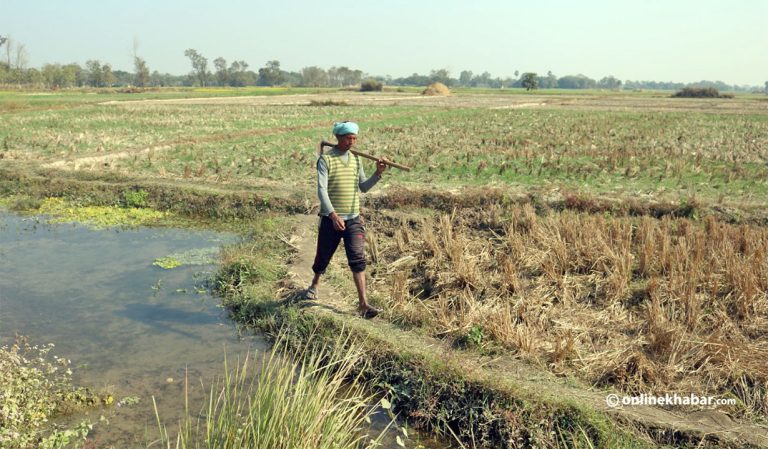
[[292, 399]]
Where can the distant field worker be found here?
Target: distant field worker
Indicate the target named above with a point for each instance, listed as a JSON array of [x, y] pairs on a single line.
[[340, 179]]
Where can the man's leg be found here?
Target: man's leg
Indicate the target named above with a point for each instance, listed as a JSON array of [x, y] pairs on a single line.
[[359, 277], [354, 245], [327, 241]]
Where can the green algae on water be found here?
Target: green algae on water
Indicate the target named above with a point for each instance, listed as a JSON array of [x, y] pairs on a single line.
[[197, 256], [100, 217]]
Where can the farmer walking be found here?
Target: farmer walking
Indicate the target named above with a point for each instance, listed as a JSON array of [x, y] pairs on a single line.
[[340, 179]]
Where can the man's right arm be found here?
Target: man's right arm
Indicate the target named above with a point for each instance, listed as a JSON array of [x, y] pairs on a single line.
[[326, 208]]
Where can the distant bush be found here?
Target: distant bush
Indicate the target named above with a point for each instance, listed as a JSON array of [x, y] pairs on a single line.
[[327, 103], [700, 92], [371, 86]]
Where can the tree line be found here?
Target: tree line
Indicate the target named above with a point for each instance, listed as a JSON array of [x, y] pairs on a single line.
[[14, 70]]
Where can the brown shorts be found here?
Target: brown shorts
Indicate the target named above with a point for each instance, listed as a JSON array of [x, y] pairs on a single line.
[[328, 240]]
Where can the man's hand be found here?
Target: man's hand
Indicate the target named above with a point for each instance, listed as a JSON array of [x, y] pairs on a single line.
[[338, 223], [381, 165]]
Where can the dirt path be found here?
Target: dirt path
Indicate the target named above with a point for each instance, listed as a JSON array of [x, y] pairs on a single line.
[[704, 422]]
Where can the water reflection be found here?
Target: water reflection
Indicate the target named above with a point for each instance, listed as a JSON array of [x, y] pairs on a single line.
[[129, 326]]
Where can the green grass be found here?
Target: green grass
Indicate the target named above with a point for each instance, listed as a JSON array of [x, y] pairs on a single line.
[[300, 398], [671, 154]]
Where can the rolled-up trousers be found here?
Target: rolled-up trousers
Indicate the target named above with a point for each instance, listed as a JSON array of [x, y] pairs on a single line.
[[328, 240]]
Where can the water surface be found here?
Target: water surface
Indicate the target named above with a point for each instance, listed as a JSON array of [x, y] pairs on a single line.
[[128, 326]]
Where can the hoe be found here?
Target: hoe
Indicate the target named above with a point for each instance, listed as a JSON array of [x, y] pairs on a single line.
[[324, 144]]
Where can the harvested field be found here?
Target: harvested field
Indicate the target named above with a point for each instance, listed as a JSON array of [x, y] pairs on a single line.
[[615, 241], [640, 304]]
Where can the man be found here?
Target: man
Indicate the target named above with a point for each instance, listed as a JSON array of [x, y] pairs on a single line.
[[340, 178]]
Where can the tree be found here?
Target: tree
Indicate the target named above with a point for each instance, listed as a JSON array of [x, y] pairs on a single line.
[[465, 78], [95, 76], [99, 75], [77, 74], [548, 82], [8, 50], [199, 66], [222, 74], [270, 74], [238, 76], [530, 82], [109, 78], [576, 82], [766, 87], [482, 80], [413, 80], [344, 76], [609, 82], [441, 76], [141, 76], [314, 77], [141, 71]]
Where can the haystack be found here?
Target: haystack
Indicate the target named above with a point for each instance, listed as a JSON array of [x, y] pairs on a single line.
[[437, 88]]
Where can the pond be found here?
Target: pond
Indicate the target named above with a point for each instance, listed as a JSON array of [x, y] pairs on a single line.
[[128, 325]]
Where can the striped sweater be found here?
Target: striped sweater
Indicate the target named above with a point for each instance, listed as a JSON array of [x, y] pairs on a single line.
[[340, 178]]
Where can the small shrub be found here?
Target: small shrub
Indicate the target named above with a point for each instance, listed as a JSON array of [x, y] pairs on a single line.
[[35, 387], [327, 103], [25, 203], [371, 86], [700, 92], [135, 198]]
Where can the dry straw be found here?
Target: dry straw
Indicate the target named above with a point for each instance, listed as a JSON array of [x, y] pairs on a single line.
[[641, 304], [436, 89]]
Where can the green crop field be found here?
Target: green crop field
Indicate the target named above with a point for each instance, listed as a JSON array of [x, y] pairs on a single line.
[[711, 154]]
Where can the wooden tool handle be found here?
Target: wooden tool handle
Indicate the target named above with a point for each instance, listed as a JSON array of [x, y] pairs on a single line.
[[371, 157]]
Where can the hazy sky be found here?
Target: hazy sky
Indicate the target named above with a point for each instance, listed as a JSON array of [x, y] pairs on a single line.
[[660, 40]]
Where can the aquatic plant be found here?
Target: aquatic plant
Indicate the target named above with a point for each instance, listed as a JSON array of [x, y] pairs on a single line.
[[99, 217], [302, 398], [35, 387], [196, 256], [167, 262]]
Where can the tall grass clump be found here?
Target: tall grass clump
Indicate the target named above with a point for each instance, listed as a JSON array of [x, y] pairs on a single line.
[[299, 398]]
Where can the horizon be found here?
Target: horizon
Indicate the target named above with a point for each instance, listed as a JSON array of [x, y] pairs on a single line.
[[683, 41]]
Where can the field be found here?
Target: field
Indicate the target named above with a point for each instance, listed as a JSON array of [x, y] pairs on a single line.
[[618, 240]]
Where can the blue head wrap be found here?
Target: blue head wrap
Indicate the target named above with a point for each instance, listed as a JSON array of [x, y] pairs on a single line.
[[344, 128]]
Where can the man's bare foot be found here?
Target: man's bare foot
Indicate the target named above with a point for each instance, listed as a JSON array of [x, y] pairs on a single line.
[[369, 312]]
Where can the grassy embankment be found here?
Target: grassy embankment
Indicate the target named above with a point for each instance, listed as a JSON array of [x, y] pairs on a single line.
[[496, 273]]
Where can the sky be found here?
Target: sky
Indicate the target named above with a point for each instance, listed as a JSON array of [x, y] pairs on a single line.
[[640, 40]]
